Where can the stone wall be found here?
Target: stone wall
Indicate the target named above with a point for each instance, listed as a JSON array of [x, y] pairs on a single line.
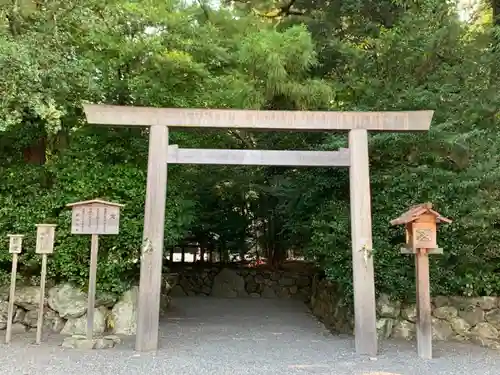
[[328, 305], [475, 320], [65, 310], [233, 281]]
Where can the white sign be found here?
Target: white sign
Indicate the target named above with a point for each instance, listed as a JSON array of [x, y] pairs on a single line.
[[95, 218], [45, 234], [15, 243]]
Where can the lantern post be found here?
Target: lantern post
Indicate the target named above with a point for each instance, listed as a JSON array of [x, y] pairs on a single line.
[[421, 240]]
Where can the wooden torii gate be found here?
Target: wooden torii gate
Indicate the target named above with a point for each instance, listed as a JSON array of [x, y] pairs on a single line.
[[159, 120]]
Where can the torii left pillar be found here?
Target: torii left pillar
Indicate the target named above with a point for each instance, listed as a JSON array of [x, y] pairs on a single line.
[[148, 310]]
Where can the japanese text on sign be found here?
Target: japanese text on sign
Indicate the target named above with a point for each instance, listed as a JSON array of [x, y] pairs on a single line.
[[15, 243], [95, 219]]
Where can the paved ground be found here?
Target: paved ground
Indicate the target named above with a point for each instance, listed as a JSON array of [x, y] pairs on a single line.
[[205, 336]]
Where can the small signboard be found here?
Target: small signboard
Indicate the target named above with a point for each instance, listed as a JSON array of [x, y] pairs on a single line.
[[15, 243], [424, 235], [15, 248], [45, 234], [95, 217]]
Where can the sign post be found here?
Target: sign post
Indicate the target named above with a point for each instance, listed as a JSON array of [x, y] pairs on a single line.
[[421, 231], [45, 234], [94, 217], [15, 248]]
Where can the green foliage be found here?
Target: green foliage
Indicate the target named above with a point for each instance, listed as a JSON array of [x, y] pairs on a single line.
[[428, 60], [149, 53], [314, 55], [98, 164]]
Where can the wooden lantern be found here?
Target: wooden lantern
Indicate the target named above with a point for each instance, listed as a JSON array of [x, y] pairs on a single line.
[[421, 231], [421, 228]]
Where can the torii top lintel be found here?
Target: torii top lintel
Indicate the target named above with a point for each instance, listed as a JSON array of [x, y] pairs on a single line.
[[257, 120]]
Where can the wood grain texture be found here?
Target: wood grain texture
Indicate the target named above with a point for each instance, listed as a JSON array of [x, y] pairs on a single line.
[[12, 297], [152, 250], [94, 249], [408, 250], [361, 234], [257, 120], [259, 157], [41, 303], [424, 314]]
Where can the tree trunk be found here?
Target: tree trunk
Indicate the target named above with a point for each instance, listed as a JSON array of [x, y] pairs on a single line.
[[496, 12], [36, 152]]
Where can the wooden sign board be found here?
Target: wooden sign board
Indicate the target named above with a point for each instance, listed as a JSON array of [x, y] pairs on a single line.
[[424, 235], [45, 234], [15, 243], [95, 217]]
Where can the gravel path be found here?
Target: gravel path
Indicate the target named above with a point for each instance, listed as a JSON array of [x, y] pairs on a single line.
[[205, 336]]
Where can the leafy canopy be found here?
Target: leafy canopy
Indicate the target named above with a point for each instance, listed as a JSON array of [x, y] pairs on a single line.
[[296, 55]]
